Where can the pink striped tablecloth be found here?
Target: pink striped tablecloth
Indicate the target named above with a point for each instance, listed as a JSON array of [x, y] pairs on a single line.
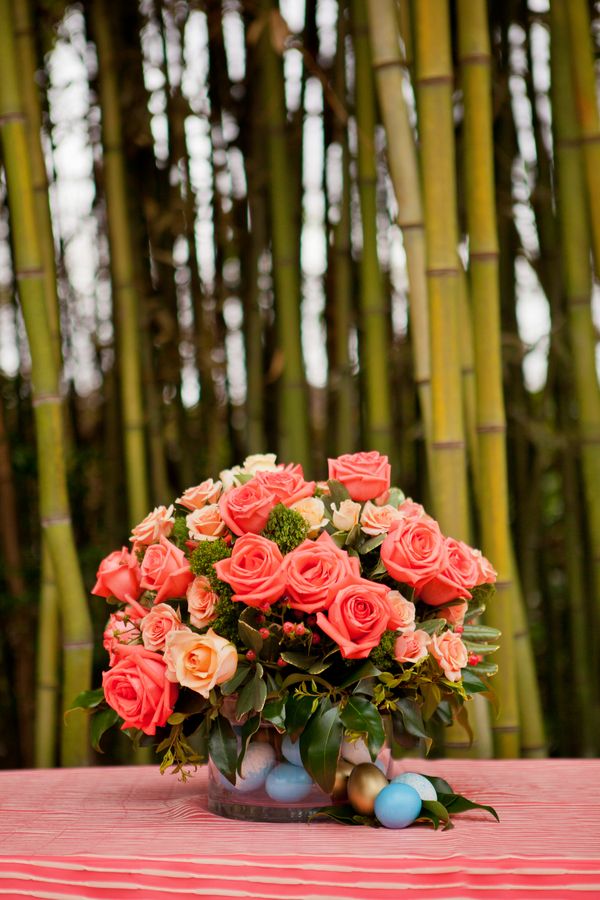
[[132, 833]]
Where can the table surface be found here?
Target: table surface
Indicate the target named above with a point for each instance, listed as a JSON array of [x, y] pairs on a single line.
[[130, 832]]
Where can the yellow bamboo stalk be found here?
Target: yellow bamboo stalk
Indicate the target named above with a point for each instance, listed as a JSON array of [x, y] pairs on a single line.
[[474, 52], [54, 502], [584, 79]]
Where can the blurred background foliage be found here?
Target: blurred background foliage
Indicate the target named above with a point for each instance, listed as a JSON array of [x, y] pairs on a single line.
[[232, 226]]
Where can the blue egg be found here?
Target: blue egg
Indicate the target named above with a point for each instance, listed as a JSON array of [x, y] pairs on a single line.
[[291, 751], [397, 805], [422, 785], [288, 784]]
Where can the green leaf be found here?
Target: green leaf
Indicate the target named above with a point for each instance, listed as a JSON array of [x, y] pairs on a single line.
[[472, 683], [274, 711], [431, 626], [345, 815], [379, 569], [412, 718], [365, 670], [320, 744], [300, 660], [441, 786], [485, 668], [438, 808], [431, 696], [231, 686], [475, 647], [461, 716], [100, 723], [480, 633], [353, 536], [249, 728], [372, 543], [176, 718], [250, 636], [298, 711], [88, 699], [337, 492], [359, 714], [396, 497], [252, 695], [456, 803], [222, 745]]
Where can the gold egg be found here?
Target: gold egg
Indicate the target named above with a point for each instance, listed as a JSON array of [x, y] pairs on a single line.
[[364, 784], [340, 785]]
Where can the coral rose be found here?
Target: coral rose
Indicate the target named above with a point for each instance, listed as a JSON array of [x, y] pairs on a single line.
[[200, 661], [161, 619], [357, 618], [414, 551], [138, 690], [454, 614], [312, 510], [378, 519], [287, 486], [166, 570], [450, 654], [364, 475], [158, 523], [346, 517], [206, 492], [202, 601], [118, 576], [246, 508], [408, 509], [412, 646], [487, 573], [120, 629], [402, 612], [315, 571], [254, 571], [205, 524], [460, 573]]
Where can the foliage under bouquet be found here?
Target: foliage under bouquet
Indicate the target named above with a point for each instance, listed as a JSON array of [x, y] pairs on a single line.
[[335, 613]]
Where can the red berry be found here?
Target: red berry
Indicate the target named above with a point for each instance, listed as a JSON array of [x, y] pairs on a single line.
[[316, 638], [250, 655], [266, 608], [264, 633], [474, 658], [289, 628], [311, 620], [458, 629], [260, 619], [298, 613], [300, 629], [281, 663]]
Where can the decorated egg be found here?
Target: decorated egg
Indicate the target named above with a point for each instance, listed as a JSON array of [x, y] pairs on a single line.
[[364, 784], [422, 785], [397, 805], [288, 784], [356, 752], [258, 762], [291, 751]]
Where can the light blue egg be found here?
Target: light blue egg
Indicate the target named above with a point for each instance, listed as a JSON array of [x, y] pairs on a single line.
[[258, 762], [291, 751], [422, 785], [288, 784], [397, 805]]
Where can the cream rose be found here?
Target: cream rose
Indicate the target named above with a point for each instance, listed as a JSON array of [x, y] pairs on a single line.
[[199, 661], [450, 654], [377, 519], [346, 517], [403, 612], [159, 523], [161, 620], [229, 479], [207, 491], [312, 511], [202, 601], [205, 524], [259, 462]]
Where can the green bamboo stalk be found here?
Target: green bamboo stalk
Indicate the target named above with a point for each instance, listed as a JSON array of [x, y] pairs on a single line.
[[47, 694], [54, 502], [474, 51], [373, 307], [574, 243], [404, 171], [294, 426], [122, 267], [581, 56]]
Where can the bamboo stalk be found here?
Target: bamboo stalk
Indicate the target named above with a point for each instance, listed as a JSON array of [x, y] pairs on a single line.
[[474, 52], [122, 268], [373, 308], [294, 427], [404, 171], [581, 56], [47, 695], [54, 502]]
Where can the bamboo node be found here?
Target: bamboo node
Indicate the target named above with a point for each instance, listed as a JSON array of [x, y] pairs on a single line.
[[484, 255], [499, 428], [442, 273], [12, 117], [46, 400], [435, 79], [393, 61], [475, 59], [448, 445], [49, 521], [505, 729], [579, 300], [411, 226], [33, 272]]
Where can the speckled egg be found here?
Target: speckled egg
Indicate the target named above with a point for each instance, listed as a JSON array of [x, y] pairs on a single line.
[[422, 785], [397, 805], [258, 762], [288, 784], [291, 751], [356, 752]]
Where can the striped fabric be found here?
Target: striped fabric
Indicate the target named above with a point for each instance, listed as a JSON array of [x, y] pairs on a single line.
[[131, 833]]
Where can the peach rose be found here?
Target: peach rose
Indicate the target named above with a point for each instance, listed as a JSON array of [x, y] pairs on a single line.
[[287, 485], [254, 571], [346, 517], [412, 646], [158, 523], [137, 688], [206, 492], [202, 601], [487, 573], [166, 570], [118, 576], [199, 661], [246, 509], [161, 619], [450, 654], [414, 551], [205, 524], [357, 618], [315, 571], [454, 614], [408, 509], [120, 629], [312, 510], [377, 519], [403, 612], [455, 579], [364, 475]]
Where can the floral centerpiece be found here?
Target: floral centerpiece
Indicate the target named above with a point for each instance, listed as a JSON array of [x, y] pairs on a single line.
[[288, 631]]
